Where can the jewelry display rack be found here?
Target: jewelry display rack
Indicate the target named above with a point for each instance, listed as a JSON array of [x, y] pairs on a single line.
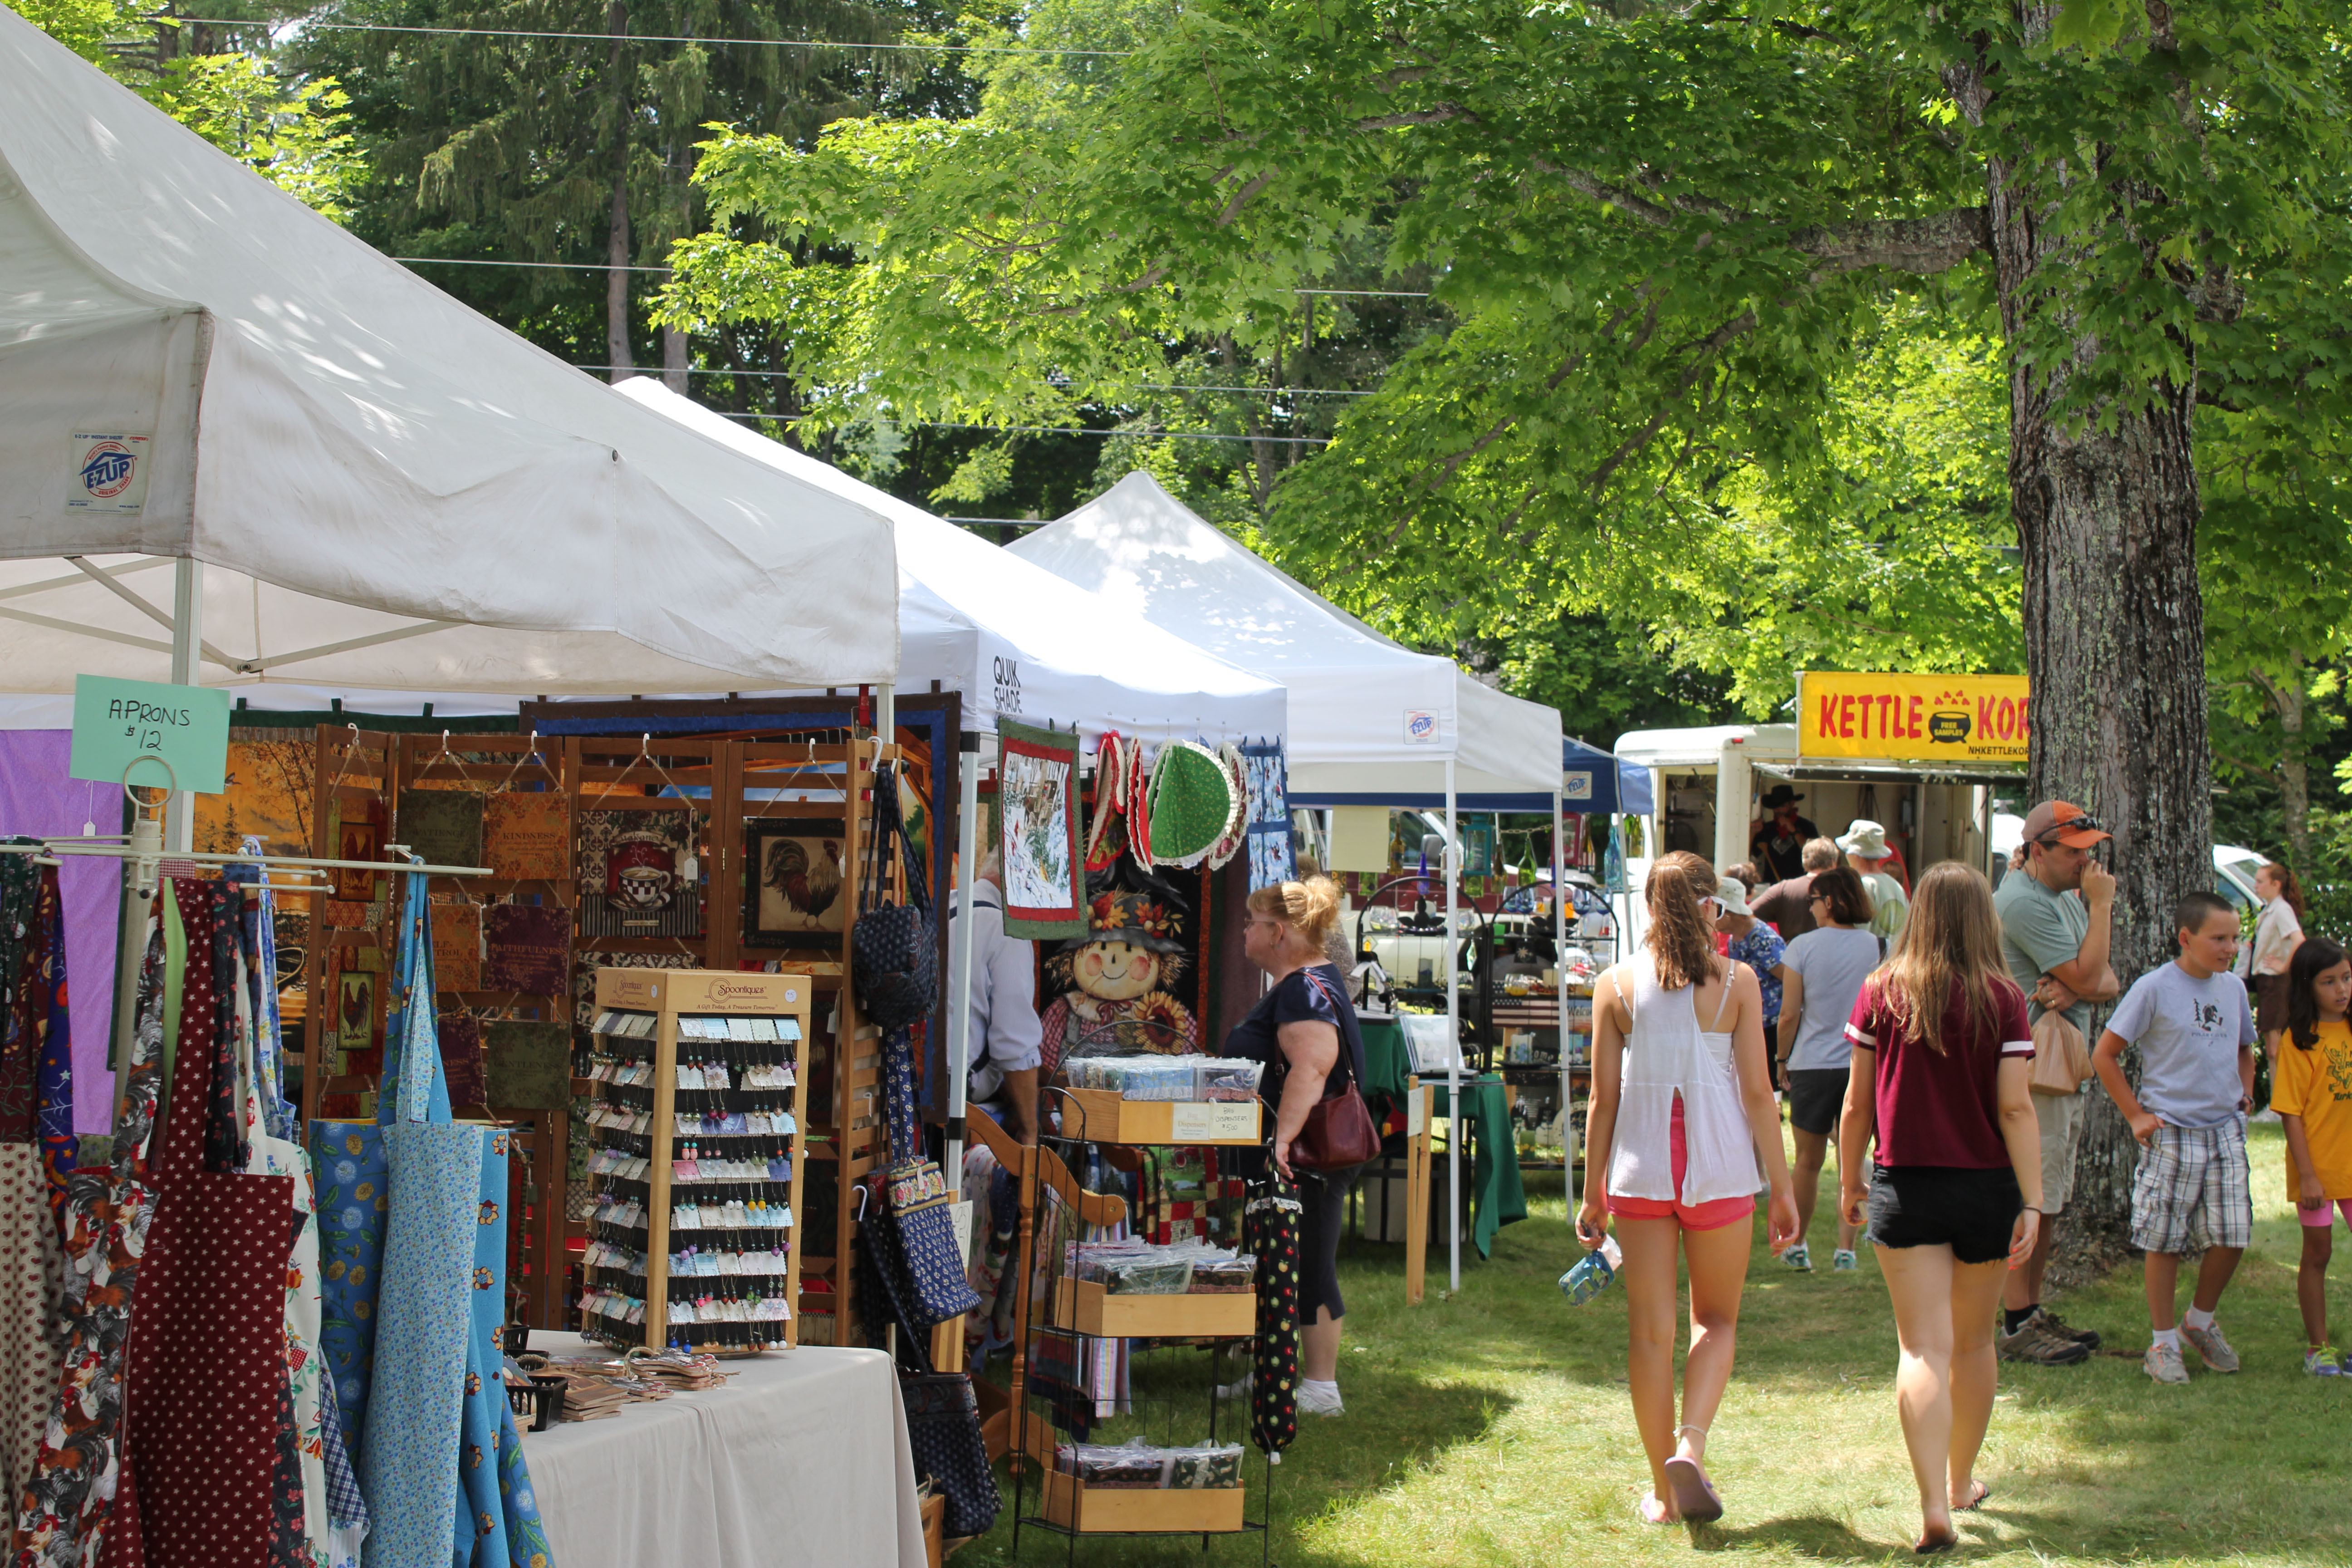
[[699, 1126]]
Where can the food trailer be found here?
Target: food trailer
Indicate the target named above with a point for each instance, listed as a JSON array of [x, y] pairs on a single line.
[[1923, 755]]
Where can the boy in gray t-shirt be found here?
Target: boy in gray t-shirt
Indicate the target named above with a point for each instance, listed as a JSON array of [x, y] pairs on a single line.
[[2195, 1034]]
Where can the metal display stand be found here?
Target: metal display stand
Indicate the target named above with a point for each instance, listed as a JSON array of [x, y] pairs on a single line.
[[1079, 1313]]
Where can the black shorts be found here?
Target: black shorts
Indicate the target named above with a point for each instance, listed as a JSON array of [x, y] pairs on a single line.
[[1816, 1096], [1972, 1212]]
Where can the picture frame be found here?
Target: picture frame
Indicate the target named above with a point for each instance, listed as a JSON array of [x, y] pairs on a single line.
[[796, 881]]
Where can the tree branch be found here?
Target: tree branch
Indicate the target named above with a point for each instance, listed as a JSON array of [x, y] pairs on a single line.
[[1242, 197], [1436, 115], [1933, 244]]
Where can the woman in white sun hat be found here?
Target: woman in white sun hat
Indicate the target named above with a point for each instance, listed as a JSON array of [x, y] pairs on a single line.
[[1866, 850]]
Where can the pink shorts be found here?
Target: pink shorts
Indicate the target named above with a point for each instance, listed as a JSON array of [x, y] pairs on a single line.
[[1713, 1215], [2320, 1219]]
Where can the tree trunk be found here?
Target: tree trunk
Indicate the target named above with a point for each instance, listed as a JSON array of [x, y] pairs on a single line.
[[616, 250], [2295, 767], [2114, 643], [674, 360]]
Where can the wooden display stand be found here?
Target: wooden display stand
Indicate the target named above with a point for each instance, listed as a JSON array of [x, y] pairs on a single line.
[[1102, 1117], [1151, 1511], [1419, 1100], [1083, 1307], [667, 995]]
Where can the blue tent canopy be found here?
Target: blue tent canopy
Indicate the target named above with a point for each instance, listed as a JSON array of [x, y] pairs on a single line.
[[1594, 782]]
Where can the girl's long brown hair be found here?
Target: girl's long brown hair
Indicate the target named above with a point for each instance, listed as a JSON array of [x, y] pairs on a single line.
[[2290, 887], [1681, 938], [1952, 936]]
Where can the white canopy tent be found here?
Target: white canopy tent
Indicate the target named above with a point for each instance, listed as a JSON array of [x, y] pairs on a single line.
[[1016, 641], [1371, 722], [237, 441]]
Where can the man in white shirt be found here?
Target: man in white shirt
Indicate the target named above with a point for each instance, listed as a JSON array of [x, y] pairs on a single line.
[[1007, 1040]]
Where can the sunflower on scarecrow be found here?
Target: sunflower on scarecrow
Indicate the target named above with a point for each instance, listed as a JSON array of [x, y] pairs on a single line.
[[1112, 987]]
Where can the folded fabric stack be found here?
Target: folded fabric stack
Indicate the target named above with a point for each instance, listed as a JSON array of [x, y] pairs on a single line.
[[1190, 1080], [1138, 1465], [1129, 1267]]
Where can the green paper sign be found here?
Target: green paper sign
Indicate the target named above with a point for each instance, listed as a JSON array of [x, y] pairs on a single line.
[[124, 727]]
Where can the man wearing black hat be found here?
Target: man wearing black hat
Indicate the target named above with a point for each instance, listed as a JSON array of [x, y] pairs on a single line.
[[1778, 843]]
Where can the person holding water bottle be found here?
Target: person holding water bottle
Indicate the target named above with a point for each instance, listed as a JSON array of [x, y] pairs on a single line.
[[1682, 1117]]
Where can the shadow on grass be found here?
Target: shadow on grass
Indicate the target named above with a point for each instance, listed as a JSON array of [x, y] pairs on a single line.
[[1397, 1424], [1807, 1535]]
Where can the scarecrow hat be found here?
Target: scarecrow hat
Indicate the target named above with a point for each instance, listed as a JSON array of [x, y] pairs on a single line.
[[1134, 919], [1779, 795]]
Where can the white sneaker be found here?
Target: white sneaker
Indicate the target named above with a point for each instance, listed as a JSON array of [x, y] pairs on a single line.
[[1843, 1262], [1234, 1390], [1318, 1398], [1797, 1258]]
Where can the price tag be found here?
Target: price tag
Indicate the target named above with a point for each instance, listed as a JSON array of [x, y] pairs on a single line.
[[1416, 1114], [163, 736], [1202, 1123]]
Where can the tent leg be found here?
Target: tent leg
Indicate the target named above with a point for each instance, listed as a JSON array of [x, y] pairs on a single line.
[[886, 714], [1457, 1120], [187, 640], [1560, 1001], [959, 949]]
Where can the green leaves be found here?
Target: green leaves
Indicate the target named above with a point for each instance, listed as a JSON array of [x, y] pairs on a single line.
[[296, 133]]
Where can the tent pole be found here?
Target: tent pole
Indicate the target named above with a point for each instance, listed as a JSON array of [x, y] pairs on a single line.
[[187, 640], [886, 714], [1455, 1120], [959, 949], [1560, 1001]]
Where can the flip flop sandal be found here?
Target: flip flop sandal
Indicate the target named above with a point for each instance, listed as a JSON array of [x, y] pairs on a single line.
[[1976, 1498], [1645, 1503], [1933, 1544], [1695, 1498]]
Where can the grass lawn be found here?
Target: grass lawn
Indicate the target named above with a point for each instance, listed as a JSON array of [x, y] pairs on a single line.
[[1493, 1428]]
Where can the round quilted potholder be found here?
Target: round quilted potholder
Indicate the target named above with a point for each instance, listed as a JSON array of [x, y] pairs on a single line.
[[1193, 804], [1236, 834]]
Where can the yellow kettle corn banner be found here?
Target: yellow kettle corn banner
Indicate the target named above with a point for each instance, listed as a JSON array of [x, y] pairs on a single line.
[[1912, 717]]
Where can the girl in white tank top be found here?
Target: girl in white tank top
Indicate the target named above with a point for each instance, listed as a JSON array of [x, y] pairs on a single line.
[[1681, 1131]]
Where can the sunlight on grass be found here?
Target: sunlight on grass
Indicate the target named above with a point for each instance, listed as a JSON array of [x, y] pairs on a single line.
[[1493, 1428]]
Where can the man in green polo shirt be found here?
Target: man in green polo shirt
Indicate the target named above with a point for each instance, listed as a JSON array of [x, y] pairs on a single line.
[[2055, 917]]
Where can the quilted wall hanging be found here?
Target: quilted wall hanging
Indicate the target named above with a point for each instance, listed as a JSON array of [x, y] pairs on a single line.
[[1037, 835]]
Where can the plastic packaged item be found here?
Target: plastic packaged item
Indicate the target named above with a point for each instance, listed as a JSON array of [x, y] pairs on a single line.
[[1207, 1467], [1226, 1078], [1593, 1273], [1218, 1273]]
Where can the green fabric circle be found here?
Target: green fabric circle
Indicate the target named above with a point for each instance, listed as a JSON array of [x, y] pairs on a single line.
[[1192, 802]]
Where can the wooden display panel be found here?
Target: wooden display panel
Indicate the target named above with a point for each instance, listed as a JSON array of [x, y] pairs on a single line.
[[1085, 1306], [1102, 1117], [1075, 1506], [667, 994]]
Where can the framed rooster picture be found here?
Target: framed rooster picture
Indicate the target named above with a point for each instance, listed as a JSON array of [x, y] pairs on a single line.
[[799, 895]]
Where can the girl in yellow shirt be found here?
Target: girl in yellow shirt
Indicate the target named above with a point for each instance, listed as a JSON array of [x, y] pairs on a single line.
[[2311, 1090]]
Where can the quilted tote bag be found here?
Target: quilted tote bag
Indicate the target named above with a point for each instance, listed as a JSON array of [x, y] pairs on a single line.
[[943, 1430], [918, 1199], [894, 950], [409, 1466]]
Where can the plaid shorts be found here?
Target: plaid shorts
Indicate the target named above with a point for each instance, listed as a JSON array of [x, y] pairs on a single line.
[[2193, 1191]]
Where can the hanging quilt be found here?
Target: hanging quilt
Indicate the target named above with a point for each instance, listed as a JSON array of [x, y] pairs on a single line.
[[442, 827], [1037, 835], [639, 875], [530, 1064], [1271, 858], [527, 835], [457, 947], [526, 948]]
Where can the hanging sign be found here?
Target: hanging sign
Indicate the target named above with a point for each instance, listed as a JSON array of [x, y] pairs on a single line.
[[1912, 717], [161, 736]]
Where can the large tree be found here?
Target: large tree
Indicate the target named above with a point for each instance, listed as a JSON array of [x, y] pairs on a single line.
[[1658, 232]]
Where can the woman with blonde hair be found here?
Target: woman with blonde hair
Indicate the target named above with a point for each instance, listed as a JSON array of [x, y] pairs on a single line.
[[1682, 1119], [1304, 1030], [1942, 1056]]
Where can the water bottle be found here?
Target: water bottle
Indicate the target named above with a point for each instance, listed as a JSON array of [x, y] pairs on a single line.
[[1593, 1273]]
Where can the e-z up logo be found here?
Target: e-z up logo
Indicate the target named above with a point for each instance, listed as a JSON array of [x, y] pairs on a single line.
[[1420, 727], [107, 469]]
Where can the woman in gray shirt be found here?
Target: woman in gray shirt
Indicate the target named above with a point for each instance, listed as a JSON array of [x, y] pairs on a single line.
[[1824, 968]]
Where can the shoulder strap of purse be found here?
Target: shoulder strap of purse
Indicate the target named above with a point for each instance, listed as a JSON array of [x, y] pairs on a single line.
[[1323, 987]]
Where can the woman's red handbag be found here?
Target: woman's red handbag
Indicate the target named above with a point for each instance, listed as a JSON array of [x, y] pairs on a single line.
[[1339, 1134]]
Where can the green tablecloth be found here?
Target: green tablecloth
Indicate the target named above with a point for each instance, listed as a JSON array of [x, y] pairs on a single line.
[[1497, 1197], [1387, 1064]]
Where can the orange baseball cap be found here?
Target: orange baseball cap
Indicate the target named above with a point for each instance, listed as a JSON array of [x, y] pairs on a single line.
[[2062, 822]]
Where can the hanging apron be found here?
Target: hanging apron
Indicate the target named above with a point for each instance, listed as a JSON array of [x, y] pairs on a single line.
[[32, 1190], [1270, 1225], [409, 1464], [64, 1512], [205, 1361]]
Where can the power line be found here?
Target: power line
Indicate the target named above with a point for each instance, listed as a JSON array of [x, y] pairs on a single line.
[[661, 38], [1140, 386], [607, 267], [1052, 430]]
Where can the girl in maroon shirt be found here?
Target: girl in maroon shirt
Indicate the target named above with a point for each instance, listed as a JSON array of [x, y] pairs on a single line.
[[1941, 1059]]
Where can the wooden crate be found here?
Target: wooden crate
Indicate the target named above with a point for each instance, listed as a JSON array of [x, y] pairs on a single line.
[[1100, 1116], [1086, 1306], [1071, 1504]]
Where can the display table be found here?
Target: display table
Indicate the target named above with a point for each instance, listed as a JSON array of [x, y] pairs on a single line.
[[803, 1458]]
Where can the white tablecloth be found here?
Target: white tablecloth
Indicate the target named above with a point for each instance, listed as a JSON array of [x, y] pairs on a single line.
[[803, 1458]]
